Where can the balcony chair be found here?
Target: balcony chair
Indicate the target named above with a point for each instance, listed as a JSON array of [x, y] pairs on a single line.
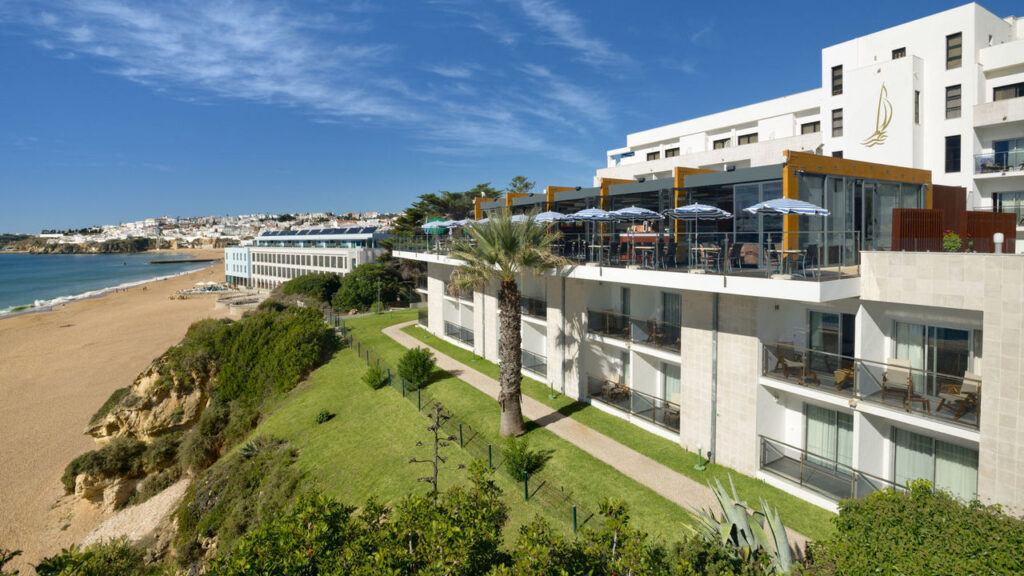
[[896, 380], [960, 398]]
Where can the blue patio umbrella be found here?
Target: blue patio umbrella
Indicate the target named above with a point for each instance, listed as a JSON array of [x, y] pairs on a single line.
[[519, 218], [693, 212], [787, 206], [634, 213]]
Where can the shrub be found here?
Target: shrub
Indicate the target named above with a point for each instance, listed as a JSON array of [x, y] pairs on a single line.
[[155, 484], [113, 557], [121, 458], [951, 242], [318, 287], [324, 416], [5, 557], [107, 406], [161, 453], [235, 494], [521, 460], [416, 366], [360, 287], [925, 531], [376, 377], [201, 445]]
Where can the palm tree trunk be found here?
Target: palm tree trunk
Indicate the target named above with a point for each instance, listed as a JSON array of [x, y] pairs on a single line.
[[510, 342]]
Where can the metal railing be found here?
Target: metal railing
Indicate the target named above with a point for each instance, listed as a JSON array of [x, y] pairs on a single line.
[[651, 408], [535, 363], [464, 335], [799, 255], [649, 332], [923, 392], [1009, 161], [421, 282], [423, 316], [824, 475], [533, 307]]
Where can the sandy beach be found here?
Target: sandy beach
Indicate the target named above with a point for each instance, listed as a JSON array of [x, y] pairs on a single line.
[[56, 368]]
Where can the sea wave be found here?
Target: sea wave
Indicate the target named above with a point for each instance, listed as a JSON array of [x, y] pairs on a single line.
[[43, 305]]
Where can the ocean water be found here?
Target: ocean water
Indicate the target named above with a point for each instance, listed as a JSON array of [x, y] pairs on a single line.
[[46, 279]]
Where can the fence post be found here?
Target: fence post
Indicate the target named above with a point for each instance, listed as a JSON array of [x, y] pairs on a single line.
[[573, 518], [403, 385], [419, 399], [461, 445], [526, 486], [490, 457]]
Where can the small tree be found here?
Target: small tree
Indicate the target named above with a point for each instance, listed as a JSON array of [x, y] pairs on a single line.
[[521, 460], [319, 287], [367, 284], [438, 418], [416, 366], [520, 185]]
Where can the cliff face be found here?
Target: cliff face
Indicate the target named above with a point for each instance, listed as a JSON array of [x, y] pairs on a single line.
[[156, 403], [128, 246]]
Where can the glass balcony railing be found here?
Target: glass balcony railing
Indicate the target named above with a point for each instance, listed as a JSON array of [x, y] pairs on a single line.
[[464, 335], [422, 317], [534, 307], [662, 335], [651, 408], [798, 255], [1008, 161], [894, 384], [824, 475], [535, 363], [421, 282]]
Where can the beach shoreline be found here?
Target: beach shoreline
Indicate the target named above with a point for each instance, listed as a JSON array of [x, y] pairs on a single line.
[[211, 257], [56, 369]]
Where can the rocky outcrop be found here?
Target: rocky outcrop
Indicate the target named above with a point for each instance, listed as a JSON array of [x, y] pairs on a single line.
[[156, 404], [107, 493]]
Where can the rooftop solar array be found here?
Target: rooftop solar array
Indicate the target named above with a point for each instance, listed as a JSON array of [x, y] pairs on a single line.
[[321, 231]]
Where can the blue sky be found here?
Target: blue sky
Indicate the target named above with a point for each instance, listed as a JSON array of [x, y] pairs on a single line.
[[113, 110]]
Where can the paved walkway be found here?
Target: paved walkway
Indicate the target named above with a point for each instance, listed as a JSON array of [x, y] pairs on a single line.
[[684, 491]]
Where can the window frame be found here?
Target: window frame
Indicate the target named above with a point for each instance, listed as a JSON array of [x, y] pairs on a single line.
[[837, 80], [725, 143], [815, 127], [959, 151], [898, 53], [955, 42], [1018, 91], [837, 122], [954, 93], [656, 155], [745, 139], [672, 152]]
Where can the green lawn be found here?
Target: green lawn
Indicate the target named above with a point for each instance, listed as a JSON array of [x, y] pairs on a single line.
[[808, 519], [588, 479]]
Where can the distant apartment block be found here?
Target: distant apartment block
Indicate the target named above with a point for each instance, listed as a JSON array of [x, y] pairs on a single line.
[[278, 256]]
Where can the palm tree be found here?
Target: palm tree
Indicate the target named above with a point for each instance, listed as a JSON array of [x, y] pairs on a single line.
[[499, 251]]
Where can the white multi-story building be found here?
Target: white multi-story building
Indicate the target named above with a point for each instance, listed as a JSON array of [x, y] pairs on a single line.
[[942, 93], [278, 256], [830, 356]]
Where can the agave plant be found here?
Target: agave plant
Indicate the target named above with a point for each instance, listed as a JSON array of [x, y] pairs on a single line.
[[747, 532]]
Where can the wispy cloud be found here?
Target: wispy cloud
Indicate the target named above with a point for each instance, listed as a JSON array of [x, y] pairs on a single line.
[[585, 101], [451, 71], [702, 36], [684, 65], [565, 28], [479, 18]]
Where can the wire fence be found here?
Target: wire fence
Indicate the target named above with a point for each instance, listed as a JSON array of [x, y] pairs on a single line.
[[539, 488]]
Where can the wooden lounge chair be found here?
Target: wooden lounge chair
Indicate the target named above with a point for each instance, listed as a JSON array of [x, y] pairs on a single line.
[[960, 398], [844, 378], [800, 368], [896, 379]]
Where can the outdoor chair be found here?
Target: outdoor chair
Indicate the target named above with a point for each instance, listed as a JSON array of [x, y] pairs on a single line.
[[844, 378], [783, 350], [960, 398], [896, 381]]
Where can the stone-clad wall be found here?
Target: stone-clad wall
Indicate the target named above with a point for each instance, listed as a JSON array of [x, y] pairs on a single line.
[[993, 284]]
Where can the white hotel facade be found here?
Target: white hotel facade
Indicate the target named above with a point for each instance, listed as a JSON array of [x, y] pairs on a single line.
[[278, 256], [870, 367]]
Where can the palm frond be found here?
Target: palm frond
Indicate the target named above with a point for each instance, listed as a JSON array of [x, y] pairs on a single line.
[[502, 248]]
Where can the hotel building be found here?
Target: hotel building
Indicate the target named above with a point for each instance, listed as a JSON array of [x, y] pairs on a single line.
[[275, 257], [829, 356]]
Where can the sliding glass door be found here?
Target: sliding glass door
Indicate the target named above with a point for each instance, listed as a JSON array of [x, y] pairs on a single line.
[[828, 438], [830, 338], [950, 467], [938, 355]]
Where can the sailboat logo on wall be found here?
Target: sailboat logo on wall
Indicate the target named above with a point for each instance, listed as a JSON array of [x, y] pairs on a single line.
[[883, 116]]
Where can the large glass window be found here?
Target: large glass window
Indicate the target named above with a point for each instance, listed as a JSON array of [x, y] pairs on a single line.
[[747, 139], [828, 437], [1012, 203], [653, 155], [950, 467], [810, 127], [671, 308], [671, 375], [837, 122], [938, 355], [719, 144], [1008, 154], [830, 339]]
